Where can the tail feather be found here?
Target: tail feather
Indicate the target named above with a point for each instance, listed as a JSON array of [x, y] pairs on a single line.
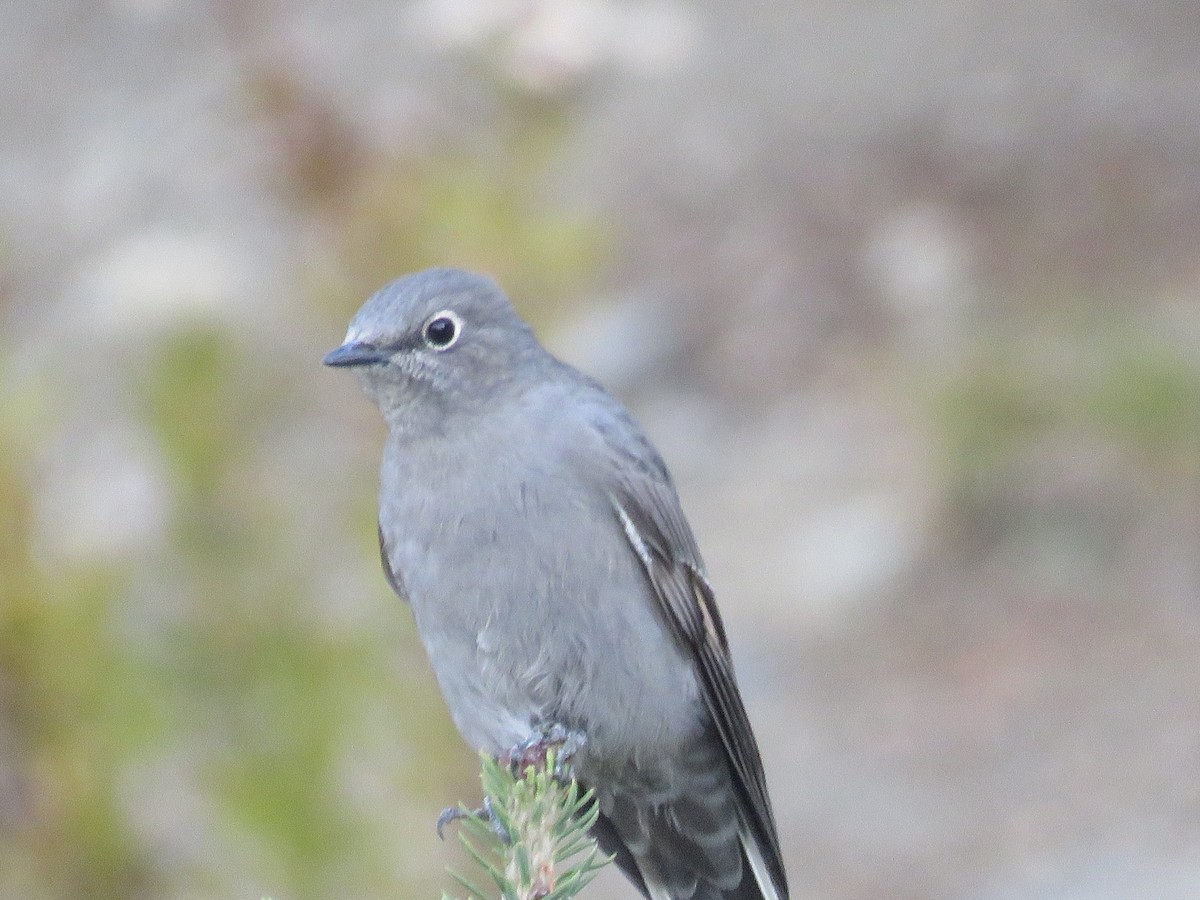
[[680, 834], [753, 881]]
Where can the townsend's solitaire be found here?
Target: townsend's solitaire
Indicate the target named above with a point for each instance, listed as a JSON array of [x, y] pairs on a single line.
[[556, 584]]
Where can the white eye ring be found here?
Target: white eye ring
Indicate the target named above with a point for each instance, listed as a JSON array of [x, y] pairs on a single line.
[[441, 330]]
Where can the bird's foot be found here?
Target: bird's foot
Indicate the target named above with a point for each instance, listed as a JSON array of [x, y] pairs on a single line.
[[485, 812], [564, 742]]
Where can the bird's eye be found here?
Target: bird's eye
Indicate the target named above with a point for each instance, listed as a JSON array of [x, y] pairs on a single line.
[[442, 330]]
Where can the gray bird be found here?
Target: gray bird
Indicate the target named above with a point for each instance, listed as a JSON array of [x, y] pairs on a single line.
[[555, 583]]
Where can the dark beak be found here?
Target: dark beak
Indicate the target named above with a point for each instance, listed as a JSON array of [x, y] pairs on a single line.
[[356, 354]]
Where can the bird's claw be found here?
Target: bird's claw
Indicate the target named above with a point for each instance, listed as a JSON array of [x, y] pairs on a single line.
[[485, 812], [452, 814], [533, 752]]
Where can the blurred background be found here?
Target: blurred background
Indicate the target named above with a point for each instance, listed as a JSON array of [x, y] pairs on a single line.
[[907, 294]]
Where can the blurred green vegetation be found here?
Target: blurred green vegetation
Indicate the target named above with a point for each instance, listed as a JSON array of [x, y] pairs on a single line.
[[463, 211], [193, 719], [485, 203], [1016, 415], [1147, 396], [73, 706]]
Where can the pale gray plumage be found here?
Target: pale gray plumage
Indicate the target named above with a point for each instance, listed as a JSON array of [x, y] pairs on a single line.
[[554, 580]]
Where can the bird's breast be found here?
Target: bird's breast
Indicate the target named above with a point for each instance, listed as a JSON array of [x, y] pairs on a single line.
[[533, 608]]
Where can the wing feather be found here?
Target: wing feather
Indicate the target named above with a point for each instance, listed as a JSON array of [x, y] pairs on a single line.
[[649, 512], [392, 576]]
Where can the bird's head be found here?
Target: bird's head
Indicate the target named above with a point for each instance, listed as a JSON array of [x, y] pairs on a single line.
[[439, 338]]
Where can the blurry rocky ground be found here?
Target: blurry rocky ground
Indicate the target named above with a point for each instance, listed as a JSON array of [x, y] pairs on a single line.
[[908, 294]]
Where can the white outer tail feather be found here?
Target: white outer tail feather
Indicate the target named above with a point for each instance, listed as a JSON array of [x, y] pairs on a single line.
[[758, 865]]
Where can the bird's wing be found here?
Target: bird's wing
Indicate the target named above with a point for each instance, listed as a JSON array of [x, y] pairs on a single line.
[[392, 576], [649, 513]]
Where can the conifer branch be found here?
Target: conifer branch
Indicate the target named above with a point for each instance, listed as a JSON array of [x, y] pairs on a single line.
[[532, 837]]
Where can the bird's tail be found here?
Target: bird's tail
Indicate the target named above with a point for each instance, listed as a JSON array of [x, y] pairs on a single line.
[[682, 835]]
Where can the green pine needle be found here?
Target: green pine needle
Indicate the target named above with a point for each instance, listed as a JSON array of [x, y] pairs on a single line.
[[552, 855]]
